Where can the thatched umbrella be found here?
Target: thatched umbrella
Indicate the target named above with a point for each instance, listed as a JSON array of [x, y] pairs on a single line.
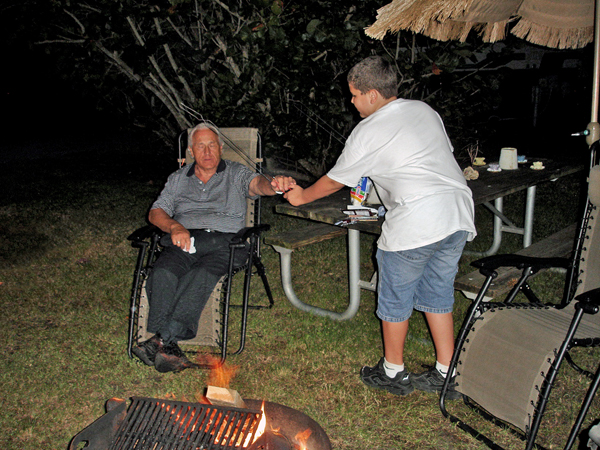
[[551, 23]]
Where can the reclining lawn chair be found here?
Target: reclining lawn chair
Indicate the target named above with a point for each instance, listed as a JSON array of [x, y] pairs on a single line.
[[508, 355], [241, 145]]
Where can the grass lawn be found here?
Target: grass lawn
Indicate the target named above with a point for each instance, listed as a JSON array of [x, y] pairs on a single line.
[[66, 270]]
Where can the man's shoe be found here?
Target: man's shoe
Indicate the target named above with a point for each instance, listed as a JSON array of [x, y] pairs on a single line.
[[432, 381], [172, 359], [147, 350], [376, 377]]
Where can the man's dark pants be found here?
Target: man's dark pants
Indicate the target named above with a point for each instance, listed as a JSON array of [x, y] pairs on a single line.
[[180, 283]]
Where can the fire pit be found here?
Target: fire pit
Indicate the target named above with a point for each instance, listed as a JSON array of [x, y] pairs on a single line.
[[150, 423]]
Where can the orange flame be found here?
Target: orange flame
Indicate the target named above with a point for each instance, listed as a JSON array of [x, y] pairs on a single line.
[[302, 438], [262, 425], [222, 375], [260, 430]]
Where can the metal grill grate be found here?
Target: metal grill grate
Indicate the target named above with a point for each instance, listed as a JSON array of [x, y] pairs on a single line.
[[164, 425]]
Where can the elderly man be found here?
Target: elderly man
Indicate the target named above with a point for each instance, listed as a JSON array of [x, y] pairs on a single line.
[[205, 201]]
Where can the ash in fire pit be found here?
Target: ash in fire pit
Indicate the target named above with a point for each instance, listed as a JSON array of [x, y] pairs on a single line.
[[153, 423]]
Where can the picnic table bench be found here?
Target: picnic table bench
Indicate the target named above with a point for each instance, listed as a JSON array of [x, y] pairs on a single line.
[[557, 245], [304, 235]]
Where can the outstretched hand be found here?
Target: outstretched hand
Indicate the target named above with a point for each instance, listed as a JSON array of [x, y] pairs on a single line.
[[322, 188]]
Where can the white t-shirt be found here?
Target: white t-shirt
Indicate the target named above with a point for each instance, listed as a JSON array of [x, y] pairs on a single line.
[[404, 149]]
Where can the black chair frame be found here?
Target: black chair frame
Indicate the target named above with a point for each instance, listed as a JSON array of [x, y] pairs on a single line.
[[582, 304], [146, 240]]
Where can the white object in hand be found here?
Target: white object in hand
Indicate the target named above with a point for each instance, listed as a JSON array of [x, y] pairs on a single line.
[[192, 249]]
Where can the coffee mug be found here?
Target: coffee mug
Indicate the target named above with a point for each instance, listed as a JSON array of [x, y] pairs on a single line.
[[508, 158]]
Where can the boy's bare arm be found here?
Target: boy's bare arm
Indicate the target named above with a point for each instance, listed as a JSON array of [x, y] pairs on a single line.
[[322, 188]]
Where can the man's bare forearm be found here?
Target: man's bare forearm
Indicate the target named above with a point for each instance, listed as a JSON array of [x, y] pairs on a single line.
[[262, 185], [162, 220], [180, 236]]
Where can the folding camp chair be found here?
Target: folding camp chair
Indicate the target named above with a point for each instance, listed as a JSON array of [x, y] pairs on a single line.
[[508, 354], [241, 145]]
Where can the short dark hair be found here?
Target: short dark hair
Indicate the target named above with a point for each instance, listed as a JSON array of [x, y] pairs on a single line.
[[376, 73]]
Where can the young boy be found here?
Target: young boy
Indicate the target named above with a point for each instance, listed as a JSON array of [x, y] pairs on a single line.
[[403, 147]]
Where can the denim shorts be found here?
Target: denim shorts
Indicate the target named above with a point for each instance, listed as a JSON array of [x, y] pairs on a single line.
[[420, 278]]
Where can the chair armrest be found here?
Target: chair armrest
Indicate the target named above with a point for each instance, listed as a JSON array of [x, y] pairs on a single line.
[[512, 260], [248, 232], [144, 233], [589, 301]]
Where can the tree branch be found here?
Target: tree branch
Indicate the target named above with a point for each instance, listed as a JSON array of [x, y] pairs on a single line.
[[124, 68], [77, 21], [226, 8], [62, 41], [183, 37], [229, 61], [174, 65], [199, 24], [152, 60]]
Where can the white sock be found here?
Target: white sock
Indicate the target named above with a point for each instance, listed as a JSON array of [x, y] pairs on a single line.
[[442, 368], [391, 370]]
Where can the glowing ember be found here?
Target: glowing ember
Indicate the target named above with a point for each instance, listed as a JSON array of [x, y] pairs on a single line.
[[217, 424]]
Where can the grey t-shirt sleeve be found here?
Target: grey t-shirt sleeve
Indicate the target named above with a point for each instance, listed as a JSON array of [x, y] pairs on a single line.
[[166, 199]]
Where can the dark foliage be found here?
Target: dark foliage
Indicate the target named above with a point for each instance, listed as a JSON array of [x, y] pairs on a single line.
[[278, 66]]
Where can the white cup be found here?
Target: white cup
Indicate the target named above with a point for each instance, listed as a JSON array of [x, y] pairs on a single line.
[[508, 158]]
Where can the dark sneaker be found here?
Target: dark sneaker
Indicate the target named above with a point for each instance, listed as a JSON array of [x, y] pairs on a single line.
[[147, 350], [432, 381], [376, 377], [172, 359]]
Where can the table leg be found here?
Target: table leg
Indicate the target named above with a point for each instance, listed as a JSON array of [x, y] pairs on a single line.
[[528, 223], [502, 224], [354, 267], [285, 258], [498, 219], [499, 204]]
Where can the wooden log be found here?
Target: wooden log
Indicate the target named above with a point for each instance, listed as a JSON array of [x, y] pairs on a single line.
[[224, 397]]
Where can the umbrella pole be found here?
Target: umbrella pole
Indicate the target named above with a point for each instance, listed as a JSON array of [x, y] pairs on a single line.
[[594, 127]]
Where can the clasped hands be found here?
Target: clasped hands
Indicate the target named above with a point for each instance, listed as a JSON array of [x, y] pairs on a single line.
[[281, 184], [288, 187]]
